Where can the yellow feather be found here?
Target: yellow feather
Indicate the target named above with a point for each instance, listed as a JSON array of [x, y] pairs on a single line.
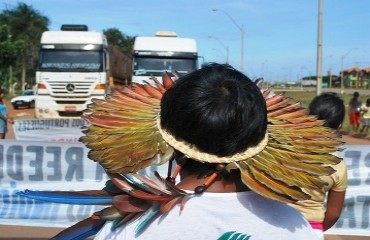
[[278, 186], [324, 158], [293, 172], [121, 140], [261, 189], [298, 125]]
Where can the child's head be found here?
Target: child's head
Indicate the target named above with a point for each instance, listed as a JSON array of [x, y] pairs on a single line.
[[328, 107], [356, 94], [368, 102]]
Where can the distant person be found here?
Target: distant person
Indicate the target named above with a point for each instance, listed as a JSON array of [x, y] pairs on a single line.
[[355, 112], [330, 108], [365, 108], [4, 119]]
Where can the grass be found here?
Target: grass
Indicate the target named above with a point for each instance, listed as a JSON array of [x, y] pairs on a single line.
[[306, 97]]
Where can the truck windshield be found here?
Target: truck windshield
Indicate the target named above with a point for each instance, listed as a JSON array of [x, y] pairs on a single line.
[[156, 66], [70, 60]]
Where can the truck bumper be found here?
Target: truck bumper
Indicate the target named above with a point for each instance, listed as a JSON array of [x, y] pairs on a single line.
[[47, 107]]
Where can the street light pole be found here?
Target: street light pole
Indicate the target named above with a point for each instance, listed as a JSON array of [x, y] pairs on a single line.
[[319, 51], [241, 29], [242, 48], [341, 72], [223, 45]]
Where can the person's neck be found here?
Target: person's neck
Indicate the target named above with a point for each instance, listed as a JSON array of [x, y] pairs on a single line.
[[219, 186]]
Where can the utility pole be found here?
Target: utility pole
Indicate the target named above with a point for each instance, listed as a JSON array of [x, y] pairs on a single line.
[[341, 72], [319, 50]]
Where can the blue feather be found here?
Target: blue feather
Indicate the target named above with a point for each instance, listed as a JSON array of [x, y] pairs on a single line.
[[67, 197], [146, 218], [133, 180], [116, 223], [81, 230]]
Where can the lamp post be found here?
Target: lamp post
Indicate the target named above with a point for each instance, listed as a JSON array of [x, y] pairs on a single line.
[[319, 50], [241, 29], [221, 53], [341, 72], [223, 45], [329, 71], [302, 67]]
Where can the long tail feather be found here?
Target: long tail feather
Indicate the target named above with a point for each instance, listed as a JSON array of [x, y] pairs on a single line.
[[151, 185], [67, 197], [120, 221], [146, 218], [81, 230]]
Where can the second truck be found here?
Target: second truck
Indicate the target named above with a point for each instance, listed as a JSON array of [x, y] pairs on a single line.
[[152, 55]]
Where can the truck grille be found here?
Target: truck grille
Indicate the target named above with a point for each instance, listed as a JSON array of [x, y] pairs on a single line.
[[71, 88]]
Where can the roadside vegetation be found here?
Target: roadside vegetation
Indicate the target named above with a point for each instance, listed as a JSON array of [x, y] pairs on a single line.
[[306, 97]]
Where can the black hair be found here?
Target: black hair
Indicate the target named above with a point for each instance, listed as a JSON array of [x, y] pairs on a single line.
[[328, 107], [368, 101], [356, 94], [216, 108]]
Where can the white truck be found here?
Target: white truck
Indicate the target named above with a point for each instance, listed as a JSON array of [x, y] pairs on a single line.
[[73, 68], [163, 52]]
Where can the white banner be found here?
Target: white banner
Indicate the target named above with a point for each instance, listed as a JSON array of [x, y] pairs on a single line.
[[65, 166], [62, 129], [48, 166], [355, 215]]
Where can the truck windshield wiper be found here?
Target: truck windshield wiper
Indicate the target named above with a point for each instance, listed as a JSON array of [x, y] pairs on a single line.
[[83, 70], [53, 69]]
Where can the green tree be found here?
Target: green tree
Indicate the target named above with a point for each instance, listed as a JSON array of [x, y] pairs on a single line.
[[116, 38], [9, 49], [26, 25]]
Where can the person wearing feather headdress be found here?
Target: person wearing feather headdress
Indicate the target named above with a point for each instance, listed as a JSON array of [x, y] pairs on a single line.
[[212, 116], [330, 108], [242, 154]]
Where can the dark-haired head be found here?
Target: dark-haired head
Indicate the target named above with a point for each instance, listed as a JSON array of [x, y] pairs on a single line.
[[328, 107], [216, 108]]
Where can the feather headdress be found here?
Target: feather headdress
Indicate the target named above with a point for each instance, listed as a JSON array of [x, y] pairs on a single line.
[[125, 135]]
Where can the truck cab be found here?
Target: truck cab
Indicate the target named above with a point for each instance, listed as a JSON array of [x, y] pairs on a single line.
[[152, 56], [72, 69]]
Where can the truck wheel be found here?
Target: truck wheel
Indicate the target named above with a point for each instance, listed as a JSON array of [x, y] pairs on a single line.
[[32, 104]]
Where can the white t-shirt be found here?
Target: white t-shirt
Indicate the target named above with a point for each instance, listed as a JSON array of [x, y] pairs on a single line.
[[212, 215], [366, 110]]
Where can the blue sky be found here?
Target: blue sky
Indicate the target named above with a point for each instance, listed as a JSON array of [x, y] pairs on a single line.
[[280, 35]]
